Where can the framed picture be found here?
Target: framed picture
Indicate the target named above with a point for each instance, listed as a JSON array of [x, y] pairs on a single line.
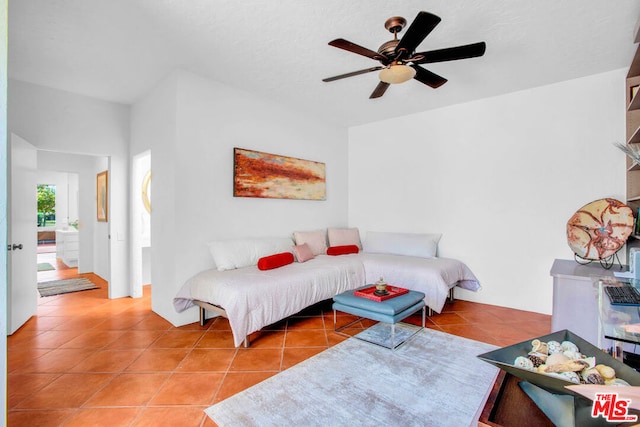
[[102, 193], [264, 175]]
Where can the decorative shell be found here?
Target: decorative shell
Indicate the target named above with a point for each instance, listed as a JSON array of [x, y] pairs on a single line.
[[590, 361], [537, 359], [592, 376], [573, 355], [569, 366], [538, 346], [607, 372], [569, 346], [524, 363], [571, 376], [556, 359], [554, 347]]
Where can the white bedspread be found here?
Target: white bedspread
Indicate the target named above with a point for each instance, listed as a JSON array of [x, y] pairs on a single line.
[[433, 276], [254, 299]]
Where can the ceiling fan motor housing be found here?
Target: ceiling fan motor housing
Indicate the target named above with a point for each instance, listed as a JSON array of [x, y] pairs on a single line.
[[388, 49], [395, 24]]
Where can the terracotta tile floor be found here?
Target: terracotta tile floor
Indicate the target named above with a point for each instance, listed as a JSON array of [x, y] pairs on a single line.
[[87, 360]]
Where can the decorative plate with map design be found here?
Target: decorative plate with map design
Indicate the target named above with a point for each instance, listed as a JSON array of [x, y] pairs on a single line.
[[599, 229]]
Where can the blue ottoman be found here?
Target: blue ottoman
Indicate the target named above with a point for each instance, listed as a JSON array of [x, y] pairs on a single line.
[[390, 311]]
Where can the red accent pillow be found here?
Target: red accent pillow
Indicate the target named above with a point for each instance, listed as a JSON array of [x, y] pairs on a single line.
[[343, 250], [275, 261]]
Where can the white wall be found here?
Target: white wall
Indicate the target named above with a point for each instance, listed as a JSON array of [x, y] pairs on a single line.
[[192, 197], [59, 121], [153, 127], [498, 177], [117, 227], [63, 121]]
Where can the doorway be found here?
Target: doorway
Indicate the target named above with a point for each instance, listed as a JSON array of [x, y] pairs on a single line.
[[46, 226], [96, 246], [58, 219], [140, 223]]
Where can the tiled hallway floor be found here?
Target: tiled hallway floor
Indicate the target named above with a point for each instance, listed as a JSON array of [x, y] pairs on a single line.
[[87, 360]]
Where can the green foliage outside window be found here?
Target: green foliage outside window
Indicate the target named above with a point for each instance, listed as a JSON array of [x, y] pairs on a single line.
[[46, 205]]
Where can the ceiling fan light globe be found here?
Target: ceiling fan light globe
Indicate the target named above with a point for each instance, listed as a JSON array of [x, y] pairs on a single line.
[[397, 74]]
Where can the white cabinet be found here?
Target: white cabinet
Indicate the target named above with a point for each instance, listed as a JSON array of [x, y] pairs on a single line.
[[67, 246], [575, 298]]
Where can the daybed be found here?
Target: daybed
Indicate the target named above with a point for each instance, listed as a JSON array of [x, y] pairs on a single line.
[[435, 277], [256, 284]]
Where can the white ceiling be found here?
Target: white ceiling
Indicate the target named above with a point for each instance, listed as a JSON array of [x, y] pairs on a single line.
[[117, 50]]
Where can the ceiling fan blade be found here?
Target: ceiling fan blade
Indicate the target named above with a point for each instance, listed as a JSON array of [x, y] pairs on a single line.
[[452, 53], [352, 47], [419, 29], [351, 74], [427, 77], [379, 90]]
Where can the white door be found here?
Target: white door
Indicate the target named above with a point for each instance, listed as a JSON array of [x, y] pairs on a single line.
[[22, 236]]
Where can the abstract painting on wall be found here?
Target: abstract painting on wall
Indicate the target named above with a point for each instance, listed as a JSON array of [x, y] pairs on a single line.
[[102, 194], [265, 175]]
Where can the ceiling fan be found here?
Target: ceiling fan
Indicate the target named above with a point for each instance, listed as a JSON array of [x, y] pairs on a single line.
[[398, 59]]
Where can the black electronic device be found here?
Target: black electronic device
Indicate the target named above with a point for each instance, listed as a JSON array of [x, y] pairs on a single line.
[[623, 295]]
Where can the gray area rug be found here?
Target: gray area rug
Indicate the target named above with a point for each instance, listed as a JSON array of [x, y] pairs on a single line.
[[57, 287], [434, 379]]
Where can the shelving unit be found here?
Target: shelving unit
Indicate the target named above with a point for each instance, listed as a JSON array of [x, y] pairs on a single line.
[[633, 130], [635, 137], [635, 103]]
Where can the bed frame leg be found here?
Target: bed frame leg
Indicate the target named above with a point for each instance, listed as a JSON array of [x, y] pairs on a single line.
[[247, 341], [203, 319], [450, 299]]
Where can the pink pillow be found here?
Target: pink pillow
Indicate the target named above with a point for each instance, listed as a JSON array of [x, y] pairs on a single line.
[[344, 236], [303, 252], [342, 250], [316, 240], [275, 261]]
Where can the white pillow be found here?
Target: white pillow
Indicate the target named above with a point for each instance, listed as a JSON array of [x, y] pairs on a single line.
[[315, 239], [237, 253], [344, 236], [410, 244]]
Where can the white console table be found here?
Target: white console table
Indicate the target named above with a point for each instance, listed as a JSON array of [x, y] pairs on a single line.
[[575, 297], [67, 246]]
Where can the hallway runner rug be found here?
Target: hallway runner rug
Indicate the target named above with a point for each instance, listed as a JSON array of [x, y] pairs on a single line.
[[434, 379], [57, 287]]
